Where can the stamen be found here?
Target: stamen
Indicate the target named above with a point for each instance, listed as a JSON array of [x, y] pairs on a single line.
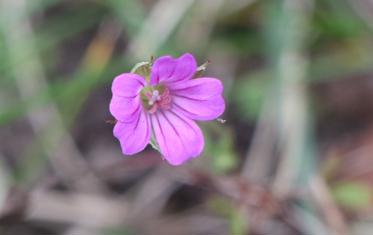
[[154, 97], [155, 93]]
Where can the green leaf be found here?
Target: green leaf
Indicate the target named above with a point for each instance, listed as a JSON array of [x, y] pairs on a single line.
[[224, 155], [352, 195], [238, 224]]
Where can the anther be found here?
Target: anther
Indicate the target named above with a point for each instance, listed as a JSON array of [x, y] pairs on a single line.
[[154, 97]]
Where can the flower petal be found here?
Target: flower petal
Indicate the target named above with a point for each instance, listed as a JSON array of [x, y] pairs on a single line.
[[127, 85], [178, 137], [135, 135], [198, 99], [169, 70], [124, 109]]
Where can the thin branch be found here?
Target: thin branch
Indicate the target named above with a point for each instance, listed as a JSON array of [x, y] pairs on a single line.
[[85, 210], [153, 194]]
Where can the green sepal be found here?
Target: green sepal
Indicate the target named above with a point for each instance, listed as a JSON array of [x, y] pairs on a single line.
[[154, 143], [143, 69], [201, 69]]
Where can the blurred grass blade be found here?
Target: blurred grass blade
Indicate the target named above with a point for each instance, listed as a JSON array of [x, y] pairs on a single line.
[[30, 78], [157, 28]]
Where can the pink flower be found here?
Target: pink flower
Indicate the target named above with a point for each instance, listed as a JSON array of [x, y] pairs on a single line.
[[164, 109]]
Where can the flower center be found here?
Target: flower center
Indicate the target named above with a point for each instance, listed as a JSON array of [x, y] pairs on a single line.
[[156, 97]]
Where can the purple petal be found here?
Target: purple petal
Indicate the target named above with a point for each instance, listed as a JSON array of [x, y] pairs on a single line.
[[126, 102], [179, 138], [169, 70], [162, 68], [198, 99], [124, 109], [135, 135], [127, 85]]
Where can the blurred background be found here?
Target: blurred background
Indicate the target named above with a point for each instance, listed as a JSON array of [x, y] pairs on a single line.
[[294, 156]]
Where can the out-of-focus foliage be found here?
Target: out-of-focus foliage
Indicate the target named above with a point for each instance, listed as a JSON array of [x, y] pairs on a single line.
[[353, 195]]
